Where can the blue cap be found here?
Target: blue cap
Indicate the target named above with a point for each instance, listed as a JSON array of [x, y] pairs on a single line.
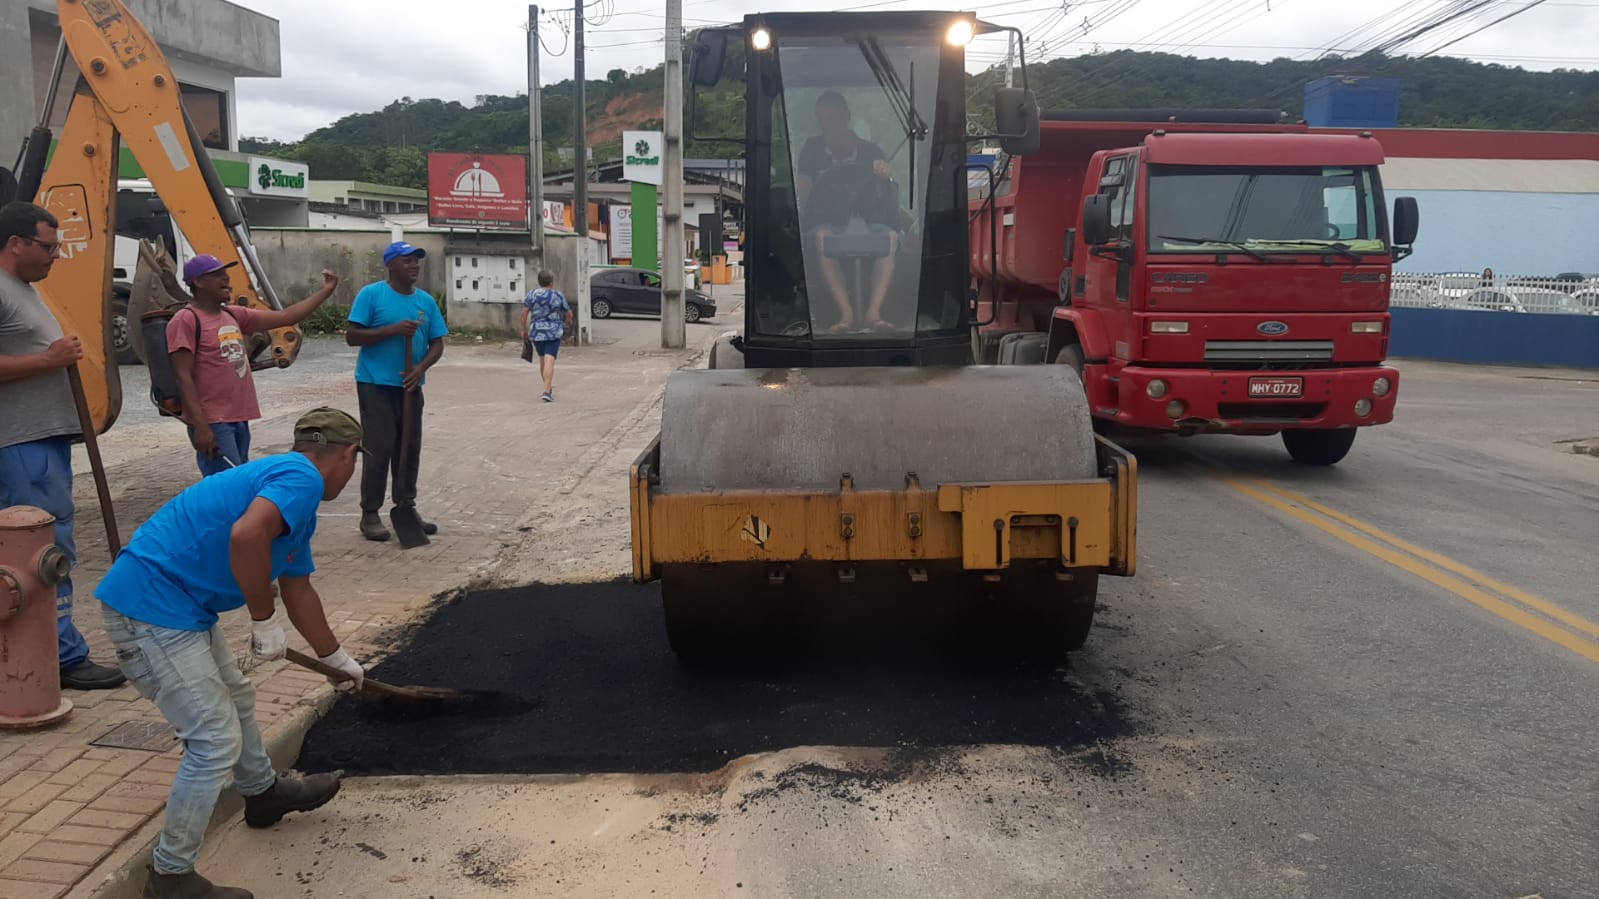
[[401, 248]]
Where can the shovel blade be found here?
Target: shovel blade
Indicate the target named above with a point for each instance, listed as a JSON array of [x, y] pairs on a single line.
[[408, 527]]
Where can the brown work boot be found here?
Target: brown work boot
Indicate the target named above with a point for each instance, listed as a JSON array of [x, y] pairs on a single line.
[[188, 886], [290, 794]]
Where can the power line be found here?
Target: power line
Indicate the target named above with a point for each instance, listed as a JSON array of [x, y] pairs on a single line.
[[1509, 15]]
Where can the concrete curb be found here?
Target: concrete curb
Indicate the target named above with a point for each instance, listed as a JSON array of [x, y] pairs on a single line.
[[121, 874]]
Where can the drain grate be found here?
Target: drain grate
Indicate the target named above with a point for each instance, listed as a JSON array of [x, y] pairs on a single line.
[[149, 736]]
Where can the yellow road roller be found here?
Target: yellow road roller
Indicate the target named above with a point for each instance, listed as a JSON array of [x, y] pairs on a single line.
[[843, 452]]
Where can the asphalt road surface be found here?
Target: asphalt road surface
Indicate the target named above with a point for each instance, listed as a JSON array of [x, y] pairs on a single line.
[[1379, 679]]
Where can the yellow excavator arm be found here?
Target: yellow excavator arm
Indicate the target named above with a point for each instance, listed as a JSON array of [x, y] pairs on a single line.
[[128, 94]]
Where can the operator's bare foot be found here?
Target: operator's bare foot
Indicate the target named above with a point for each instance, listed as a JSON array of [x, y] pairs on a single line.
[[880, 325], [841, 327]]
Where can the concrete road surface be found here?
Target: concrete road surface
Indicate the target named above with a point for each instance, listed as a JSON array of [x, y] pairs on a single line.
[[1374, 680]]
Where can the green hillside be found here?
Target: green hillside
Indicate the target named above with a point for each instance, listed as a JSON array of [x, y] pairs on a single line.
[[390, 146]]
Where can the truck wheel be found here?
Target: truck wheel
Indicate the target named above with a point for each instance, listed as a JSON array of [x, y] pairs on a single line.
[[1071, 354], [121, 333], [1319, 446]]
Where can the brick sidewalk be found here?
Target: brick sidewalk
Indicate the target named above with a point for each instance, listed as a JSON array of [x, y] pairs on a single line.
[[66, 806]]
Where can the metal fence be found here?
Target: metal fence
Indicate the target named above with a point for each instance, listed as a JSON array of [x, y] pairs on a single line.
[[1566, 294]]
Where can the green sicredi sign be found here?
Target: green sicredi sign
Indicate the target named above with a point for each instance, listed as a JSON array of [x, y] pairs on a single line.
[[268, 178]]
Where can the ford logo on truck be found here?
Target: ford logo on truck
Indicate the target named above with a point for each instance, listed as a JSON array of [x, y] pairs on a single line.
[[1272, 329]]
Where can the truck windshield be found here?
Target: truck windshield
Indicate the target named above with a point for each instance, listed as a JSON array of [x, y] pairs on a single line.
[[853, 153], [1206, 209]]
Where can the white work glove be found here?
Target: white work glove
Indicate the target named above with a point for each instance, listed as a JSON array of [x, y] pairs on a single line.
[[341, 660], [268, 642]]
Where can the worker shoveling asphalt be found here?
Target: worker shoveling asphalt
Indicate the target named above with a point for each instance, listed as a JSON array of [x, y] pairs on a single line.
[[219, 545]]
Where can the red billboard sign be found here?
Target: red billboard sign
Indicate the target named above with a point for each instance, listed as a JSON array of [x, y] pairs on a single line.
[[477, 190]]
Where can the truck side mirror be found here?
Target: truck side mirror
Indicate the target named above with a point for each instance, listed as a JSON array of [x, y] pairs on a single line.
[[1069, 250], [1407, 219], [1096, 220], [710, 55], [1016, 120]]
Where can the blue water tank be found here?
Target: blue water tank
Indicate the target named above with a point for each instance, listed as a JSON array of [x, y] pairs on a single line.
[[1352, 101]]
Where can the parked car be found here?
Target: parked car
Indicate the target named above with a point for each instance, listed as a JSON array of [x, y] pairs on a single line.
[[636, 291]]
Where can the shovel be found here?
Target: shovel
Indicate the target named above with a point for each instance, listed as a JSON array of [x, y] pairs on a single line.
[[407, 523]]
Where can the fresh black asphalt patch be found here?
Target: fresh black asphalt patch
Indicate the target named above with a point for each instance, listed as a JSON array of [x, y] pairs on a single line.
[[590, 685]]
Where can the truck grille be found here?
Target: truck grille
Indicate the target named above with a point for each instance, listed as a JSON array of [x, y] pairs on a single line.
[[1268, 350]]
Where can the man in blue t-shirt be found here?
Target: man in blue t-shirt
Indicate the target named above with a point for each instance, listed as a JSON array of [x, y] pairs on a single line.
[[219, 545], [384, 316]]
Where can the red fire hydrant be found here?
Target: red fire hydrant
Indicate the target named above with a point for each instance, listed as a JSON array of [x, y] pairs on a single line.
[[30, 567]]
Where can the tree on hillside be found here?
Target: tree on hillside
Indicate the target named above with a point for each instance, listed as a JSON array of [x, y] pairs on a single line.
[[1437, 92]]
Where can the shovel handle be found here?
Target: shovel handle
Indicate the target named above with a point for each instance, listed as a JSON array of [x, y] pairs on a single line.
[[91, 443], [368, 685]]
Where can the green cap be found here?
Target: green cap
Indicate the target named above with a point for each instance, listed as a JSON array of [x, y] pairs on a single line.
[[326, 424]]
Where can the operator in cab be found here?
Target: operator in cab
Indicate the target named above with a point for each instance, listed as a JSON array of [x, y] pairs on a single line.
[[844, 189]]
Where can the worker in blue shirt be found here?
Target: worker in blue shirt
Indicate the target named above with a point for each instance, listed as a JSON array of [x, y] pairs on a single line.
[[386, 314], [219, 545]]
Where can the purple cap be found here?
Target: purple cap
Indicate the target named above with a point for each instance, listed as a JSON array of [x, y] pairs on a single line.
[[204, 264]]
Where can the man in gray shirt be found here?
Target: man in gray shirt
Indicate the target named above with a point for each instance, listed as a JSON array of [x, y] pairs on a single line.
[[38, 419]]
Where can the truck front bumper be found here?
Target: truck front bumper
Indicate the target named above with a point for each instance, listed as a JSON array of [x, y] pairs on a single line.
[[1200, 400]]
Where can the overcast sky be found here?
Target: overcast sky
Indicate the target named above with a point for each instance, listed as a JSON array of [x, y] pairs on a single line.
[[345, 56]]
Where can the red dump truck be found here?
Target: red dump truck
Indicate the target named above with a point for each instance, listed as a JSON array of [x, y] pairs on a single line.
[[1203, 271]]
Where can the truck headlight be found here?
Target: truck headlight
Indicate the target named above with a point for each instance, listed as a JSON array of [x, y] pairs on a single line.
[[761, 39], [1362, 407], [960, 33], [1380, 387], [1175, 409], [1156, 389]]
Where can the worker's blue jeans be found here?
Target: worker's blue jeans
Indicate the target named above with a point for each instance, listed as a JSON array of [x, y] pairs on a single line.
[[39, 473], [233, 447], [193, 679]]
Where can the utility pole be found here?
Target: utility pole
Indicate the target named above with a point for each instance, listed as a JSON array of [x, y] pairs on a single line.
[[535, 137], [673, 335], [1010, 58], [580, 181]]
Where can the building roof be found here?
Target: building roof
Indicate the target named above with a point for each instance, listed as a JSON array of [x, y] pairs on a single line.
[[1558, 176], [223, 35]]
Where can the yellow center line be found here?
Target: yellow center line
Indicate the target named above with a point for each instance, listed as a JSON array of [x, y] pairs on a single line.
[[1571, 619], [1514, 614]]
